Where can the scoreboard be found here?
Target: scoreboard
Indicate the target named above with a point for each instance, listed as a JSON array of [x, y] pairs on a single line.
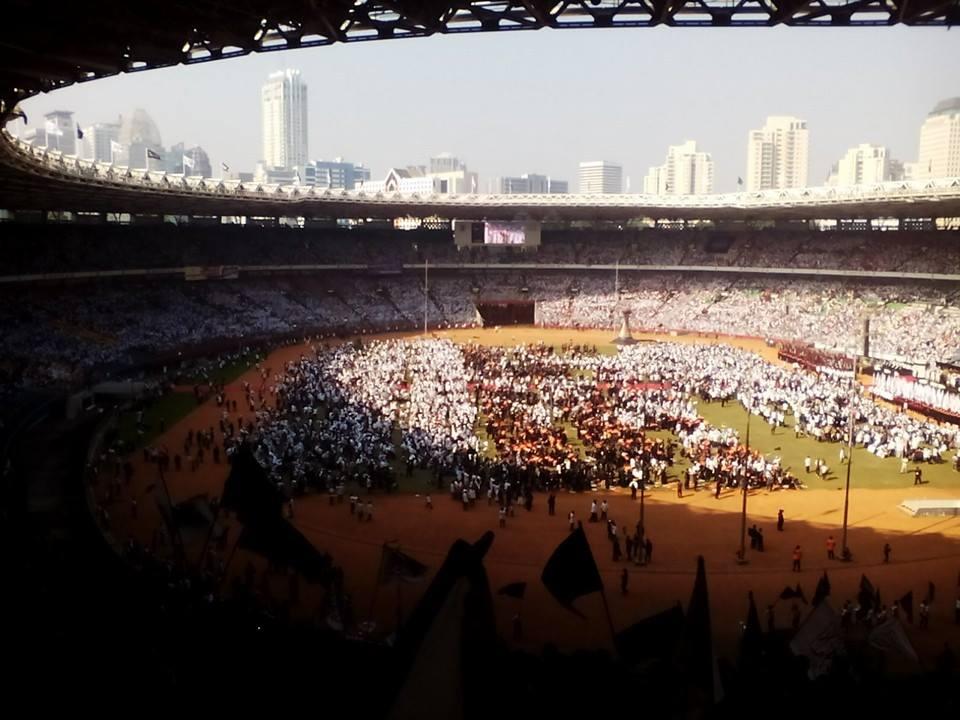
[[496, 233]]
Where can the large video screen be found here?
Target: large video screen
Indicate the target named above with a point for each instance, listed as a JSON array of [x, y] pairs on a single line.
[[504, 233]]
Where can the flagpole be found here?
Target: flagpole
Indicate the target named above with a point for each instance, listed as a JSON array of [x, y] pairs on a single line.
[[426, 289], [606, 610], [376, 585], [742, 559], [206, 542], [178, 540], [399, 605], [644, 469], [844, 550], [226, 565]]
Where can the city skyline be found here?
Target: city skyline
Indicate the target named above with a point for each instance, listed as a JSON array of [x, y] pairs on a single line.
[[365, 105]]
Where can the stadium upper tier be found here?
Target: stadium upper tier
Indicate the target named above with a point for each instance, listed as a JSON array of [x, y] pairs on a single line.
[[30, 250], [42, 179], [76, 42]]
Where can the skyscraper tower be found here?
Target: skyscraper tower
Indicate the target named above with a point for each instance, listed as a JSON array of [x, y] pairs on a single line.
[[687, 171], [777, 155], [284, 107], [939, 155]]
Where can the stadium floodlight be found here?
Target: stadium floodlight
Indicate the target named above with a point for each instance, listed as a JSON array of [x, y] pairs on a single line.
[[344, 25], [186, 47], [259, 34]]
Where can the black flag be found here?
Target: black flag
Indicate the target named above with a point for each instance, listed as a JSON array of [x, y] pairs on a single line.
[[152, 155], [751, 646], [396, 565], [571, 571], [449, 643], [286, 546], [866, 595], [739, 181], [823, 590], [789, 593], [249, 491], [696, 649], [79, 133], [652, 637], [514, 590], [906, 604]]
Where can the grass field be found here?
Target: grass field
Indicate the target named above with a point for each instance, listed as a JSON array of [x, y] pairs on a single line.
[[868, 471], [171, 408], [227, 374]]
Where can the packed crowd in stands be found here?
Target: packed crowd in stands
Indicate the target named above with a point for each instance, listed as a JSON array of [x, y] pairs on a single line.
[[52, 333], [31, 249], [897, 388], [913, 321]]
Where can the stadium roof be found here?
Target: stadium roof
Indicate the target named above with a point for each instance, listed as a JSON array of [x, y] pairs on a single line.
[[39, 179]]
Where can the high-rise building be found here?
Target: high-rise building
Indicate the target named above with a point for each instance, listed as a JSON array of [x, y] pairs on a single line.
[[99, 142], [686, 171], [58, 133], [777, 154], [336, 174], [530, 183], [865, 164], [284, 108], [189, 161], [138, 142], [600, 177], [446, 163], [940, 142]]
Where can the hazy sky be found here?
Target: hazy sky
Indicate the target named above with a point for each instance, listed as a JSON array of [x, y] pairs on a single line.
[[514, 102]]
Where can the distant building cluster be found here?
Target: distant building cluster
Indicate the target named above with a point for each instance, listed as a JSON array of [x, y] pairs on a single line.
[[777, 156], [132, 141]]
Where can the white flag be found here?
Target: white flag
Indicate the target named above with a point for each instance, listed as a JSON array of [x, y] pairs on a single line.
[[115, 147], [188, 161], [51, 127], [473, 184], [819, 639]]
